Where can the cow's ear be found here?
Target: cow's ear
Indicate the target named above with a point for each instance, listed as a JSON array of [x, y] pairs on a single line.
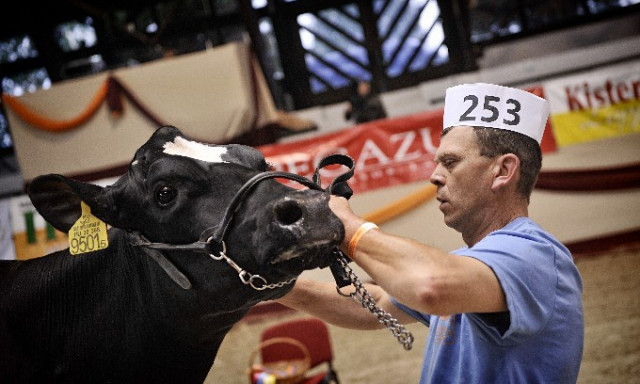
[[58, 198]]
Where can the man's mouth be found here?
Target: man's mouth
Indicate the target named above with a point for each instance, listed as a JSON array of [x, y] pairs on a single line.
[[442, 201]]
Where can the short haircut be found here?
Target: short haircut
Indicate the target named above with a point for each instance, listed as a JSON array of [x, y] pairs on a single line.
[[496, 142]]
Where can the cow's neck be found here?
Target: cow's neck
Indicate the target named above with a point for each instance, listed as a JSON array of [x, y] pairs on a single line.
[[195, 319], [215, 291]]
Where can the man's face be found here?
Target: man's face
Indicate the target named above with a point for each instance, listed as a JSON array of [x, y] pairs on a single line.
[[363, 88], [463, 178]]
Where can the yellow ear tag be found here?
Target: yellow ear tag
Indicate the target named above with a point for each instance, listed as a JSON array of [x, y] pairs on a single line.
[[88, 234]]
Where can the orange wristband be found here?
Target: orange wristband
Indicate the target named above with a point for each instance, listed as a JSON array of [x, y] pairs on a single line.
[[353, 243]]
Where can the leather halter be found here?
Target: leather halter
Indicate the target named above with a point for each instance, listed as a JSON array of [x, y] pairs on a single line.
[[212, 240]]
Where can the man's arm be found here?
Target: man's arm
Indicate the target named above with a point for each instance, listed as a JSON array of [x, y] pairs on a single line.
[[420, 276], [321, 300]]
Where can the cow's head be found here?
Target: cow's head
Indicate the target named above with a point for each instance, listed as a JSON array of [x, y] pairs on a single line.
[[176, 188]]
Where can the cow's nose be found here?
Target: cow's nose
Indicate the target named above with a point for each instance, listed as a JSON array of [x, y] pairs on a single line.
[[288, 212]]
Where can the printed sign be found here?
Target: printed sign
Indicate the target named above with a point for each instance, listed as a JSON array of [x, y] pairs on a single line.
[[387, 152], [595, 105]]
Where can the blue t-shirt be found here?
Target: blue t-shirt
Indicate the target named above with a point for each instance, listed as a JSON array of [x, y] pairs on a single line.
[[539, 339]]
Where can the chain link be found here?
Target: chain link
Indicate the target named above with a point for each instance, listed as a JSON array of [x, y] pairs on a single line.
[[256, 282], [259, 283], [362, 296]]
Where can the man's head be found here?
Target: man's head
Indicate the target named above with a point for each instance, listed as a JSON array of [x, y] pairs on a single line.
[[506, 120], [489, 156], [363, 88]]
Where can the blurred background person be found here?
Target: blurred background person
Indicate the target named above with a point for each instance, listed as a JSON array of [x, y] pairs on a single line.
[[364, 105]]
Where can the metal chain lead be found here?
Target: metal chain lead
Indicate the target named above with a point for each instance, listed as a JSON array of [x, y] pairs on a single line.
[[256, 282], [362, 296]]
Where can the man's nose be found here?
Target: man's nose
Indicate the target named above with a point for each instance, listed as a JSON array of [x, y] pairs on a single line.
[[436, 177]]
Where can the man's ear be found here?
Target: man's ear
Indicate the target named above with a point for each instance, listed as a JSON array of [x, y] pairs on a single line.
[[506, 171]]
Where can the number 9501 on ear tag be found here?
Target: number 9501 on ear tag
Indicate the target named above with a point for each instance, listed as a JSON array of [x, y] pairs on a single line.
[[88, 234]]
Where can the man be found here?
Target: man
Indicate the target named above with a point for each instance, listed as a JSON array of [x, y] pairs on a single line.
[[364, 105], [505, 309]]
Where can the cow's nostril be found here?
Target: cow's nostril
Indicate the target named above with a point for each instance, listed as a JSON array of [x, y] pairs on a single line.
[[288, 212]]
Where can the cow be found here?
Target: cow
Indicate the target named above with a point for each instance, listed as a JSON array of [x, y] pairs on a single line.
[[153, 307]]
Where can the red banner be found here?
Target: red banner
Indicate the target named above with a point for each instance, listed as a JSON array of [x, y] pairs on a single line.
[[548, 143], [386, 152]]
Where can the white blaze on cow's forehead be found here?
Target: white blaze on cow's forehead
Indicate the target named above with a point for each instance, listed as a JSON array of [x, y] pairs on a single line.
[[186, 148]]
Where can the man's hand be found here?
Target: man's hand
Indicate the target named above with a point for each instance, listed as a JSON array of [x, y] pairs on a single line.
[[341, 208]]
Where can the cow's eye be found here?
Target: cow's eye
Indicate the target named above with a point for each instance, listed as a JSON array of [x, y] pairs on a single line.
[[165, 195]]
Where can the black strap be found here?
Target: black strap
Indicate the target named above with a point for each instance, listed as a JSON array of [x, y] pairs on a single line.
[[239, 197], [338, 186], [171, 270]]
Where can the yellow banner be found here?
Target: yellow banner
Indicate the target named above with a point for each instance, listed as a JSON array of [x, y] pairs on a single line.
[[596, 104], [589, 125]]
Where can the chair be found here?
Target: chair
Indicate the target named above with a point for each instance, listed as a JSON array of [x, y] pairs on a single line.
[[311, 332]]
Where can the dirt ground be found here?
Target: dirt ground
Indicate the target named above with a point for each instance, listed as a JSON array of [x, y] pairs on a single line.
[[612, 336]]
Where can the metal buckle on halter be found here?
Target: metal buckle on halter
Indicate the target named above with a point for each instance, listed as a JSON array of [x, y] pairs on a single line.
[[256, 282], [251, 280], [223, 252]]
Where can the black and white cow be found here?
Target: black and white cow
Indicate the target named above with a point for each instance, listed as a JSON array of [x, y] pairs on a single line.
[[115, 315]]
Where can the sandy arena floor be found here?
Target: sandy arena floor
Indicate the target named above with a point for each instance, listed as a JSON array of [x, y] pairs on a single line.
[[612, 336]]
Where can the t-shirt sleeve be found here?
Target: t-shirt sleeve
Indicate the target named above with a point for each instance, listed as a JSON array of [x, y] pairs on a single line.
[[525, 268], [421, 317]]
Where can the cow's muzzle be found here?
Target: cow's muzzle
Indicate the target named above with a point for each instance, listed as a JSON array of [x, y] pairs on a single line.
[[301, 226]]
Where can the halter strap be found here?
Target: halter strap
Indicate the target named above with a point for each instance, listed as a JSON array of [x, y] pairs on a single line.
[[243, 192], [339, 185]]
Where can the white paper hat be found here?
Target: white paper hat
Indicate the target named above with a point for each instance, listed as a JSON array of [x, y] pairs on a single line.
[[495, 106]]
